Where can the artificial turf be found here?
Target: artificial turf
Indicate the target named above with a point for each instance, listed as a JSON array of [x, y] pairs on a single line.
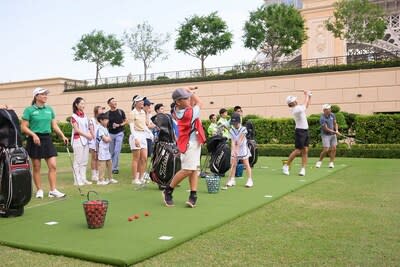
[[122, 242]]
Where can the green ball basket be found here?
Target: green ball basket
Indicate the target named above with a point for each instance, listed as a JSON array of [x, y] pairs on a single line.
[[213, 183]]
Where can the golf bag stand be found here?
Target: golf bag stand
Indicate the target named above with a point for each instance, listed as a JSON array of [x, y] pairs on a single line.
[[15, 167]]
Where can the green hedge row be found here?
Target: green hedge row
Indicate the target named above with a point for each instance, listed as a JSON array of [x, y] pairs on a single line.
[[378, 129], [372, 129]]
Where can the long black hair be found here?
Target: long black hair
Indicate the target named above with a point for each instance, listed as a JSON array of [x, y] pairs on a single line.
[[75, 103]]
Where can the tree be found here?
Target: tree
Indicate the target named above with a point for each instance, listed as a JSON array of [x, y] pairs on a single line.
[[275, 30], [146, 45], [203, 36], [99, 48], [358, 21]]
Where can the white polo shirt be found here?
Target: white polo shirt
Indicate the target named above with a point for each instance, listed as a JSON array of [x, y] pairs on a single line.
[[300, 117]]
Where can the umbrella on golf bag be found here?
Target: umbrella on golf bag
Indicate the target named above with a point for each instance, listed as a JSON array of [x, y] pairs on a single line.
[[166, 159]]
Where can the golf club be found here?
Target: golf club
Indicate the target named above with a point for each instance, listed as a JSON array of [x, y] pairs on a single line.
[[73, 170], [355, 139]]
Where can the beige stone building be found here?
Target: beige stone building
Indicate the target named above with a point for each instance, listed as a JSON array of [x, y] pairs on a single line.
[[360, 91]]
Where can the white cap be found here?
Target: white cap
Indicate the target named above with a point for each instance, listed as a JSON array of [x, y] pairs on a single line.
[[290, 99], [326, 106], [39, 90], [138, 98]]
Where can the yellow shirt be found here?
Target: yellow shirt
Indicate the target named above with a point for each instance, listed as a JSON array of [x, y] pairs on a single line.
[[137, 120]]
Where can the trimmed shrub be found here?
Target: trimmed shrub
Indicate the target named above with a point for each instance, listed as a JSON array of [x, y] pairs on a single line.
[[378, 129]]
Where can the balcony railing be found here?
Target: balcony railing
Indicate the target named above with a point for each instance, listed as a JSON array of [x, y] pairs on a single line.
[[232, 70]]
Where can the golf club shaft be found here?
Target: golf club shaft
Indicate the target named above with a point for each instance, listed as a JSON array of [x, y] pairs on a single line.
[[166, 92]]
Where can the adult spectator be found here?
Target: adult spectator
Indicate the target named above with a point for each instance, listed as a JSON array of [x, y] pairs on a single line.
[[38, 121], [116, 123], [80, 138], [302, 138], [329, 130]]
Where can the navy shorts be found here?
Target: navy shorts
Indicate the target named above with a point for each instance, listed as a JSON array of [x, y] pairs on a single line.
[[301, 139]]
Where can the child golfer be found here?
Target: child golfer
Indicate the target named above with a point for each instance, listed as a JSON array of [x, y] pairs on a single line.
[[239, 151], [103, 141], [191, 135]]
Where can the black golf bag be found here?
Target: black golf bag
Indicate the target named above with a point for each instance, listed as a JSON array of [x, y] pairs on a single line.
[[251, 143], [165, 161], [220, 151], [15, 167]]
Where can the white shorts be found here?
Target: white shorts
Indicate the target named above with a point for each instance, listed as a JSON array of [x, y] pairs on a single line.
[[142, 140], [190, 160], [92, 144]]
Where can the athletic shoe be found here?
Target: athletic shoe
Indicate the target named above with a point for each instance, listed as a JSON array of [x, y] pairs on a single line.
[[115, 171], [285, 169], [302, 172], [167, 197], [136, 182], [95, 178], [79, 184], [231, 182], [87, 182], [191, 201], [56, 193], [39, 193], [104, 182], [113, 181], [331, 165], [318, 164], [249, 183]]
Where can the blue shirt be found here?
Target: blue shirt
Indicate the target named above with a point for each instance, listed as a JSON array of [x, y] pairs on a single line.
[[329, 121]]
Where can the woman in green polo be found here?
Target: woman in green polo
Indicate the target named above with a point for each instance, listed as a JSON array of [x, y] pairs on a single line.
[[37, 122]]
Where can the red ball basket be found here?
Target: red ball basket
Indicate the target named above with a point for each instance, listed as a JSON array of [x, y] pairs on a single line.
[[95, 212]]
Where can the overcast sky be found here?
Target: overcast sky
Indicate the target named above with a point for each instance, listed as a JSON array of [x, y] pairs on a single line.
[[37, 36]]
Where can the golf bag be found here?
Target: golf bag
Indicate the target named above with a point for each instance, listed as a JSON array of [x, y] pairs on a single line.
[[220, 160], [15, 167], [251, 143], [165, 161]]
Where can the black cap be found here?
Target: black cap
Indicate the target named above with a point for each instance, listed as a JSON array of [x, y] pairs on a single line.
[[235, 118]]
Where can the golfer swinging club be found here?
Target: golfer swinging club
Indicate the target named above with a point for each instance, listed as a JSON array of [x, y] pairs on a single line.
[[329, 130], [302, 138]]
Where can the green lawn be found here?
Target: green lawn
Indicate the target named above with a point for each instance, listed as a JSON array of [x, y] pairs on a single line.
[[351, 218]]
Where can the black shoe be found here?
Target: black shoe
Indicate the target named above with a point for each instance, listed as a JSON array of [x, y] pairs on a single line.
[[115, 171], [161, 187], [191, 201], [167, 197]]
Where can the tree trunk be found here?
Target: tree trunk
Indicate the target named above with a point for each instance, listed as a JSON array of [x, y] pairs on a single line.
[[203, 70], [145, 70], [97, 74]]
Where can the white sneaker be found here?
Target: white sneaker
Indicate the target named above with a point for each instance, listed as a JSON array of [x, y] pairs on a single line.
[[302, 172], [39, 193], [87, 182], [285, 169], [231, 182], [95, 178], [331, 165], [136, 182], [104, 182], [113, 181], [56, 193], [318, 164], [80, 184], [249, 183]]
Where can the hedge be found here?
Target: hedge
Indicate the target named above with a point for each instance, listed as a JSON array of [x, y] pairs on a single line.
[[378, 129]]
